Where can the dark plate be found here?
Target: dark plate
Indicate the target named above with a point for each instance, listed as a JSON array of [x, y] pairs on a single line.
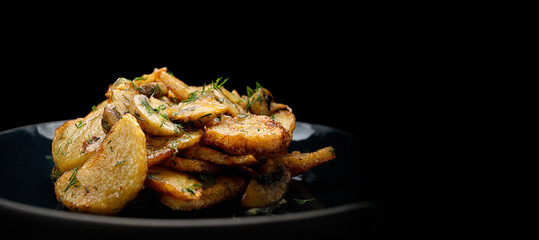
[[340, 188]]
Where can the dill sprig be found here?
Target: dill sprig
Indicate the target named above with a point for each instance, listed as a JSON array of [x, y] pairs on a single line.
[[73, 180]]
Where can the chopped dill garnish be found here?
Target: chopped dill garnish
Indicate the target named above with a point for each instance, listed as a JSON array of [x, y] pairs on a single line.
[[207, 179], [303, 201], [119, 163], [218, 84], [80, 124], [152, 175], [178, 127], [73, 179]]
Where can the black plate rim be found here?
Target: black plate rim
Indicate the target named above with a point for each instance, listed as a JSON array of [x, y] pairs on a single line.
[[9, 206], [44, 213]]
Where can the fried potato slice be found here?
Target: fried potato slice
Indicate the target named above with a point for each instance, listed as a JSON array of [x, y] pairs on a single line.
[[287, 119], [191, 165], [111, 177], [214, 156], [175, 85], [161, 148], [181, 185], [224, 188], [299, 162], [248, 134], [76, 140]]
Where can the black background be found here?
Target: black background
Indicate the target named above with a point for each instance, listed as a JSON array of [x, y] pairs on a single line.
[[337, 87]]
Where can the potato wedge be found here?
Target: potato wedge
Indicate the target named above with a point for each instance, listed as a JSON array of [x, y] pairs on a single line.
[[111, 177], [248, 134], [191, 165], [299, 162], [224, 188], [214, 156], [180, 185], [76, 140], [150, 117], [161, 148]]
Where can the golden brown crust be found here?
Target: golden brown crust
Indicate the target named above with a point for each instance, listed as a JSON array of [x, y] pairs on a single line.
[[111, 177], [191, 165], [224, 188], [248, 134], [214, 156], [178, 184], [76, 140]]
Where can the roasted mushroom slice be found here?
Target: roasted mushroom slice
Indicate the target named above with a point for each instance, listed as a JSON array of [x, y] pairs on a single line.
[[260, 101], [150, 117], [161, 148], [153, 89], [199, 112], [111, 177], [111, 116], [121, 93], [268, 187]]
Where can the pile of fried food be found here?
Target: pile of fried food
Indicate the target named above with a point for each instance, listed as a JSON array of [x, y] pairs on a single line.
[[194, 146]]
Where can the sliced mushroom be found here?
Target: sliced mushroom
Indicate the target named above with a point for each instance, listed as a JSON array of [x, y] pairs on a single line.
[[121, 93], [150, 117], [198, 112], [153, 89], [260, 102], [269, 187], [111, 116]]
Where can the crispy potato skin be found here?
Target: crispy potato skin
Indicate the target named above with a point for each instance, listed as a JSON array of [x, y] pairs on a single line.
[[76, 140], [111, 177], [214, 156], [299, 162], [191, 165], [287, 119], [248, 134], [225, 188], [180, 185]]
